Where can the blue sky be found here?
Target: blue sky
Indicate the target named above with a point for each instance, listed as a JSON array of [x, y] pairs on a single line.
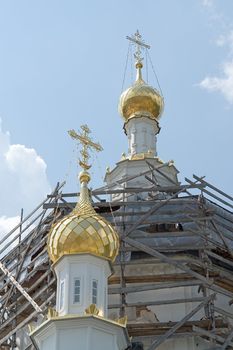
[[62, 65]]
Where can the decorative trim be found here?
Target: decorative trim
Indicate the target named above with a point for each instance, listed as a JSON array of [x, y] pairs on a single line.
[[52, 313], [122, 321], [92, 310]]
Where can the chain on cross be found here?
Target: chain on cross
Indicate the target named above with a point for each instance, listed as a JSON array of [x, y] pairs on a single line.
[[87, 144]]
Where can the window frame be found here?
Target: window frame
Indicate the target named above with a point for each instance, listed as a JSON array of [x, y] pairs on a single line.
[[94, 298], [62, 295], [73, 291]]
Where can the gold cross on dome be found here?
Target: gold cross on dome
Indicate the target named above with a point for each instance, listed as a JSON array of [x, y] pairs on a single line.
[[87, 143], [139, 43]]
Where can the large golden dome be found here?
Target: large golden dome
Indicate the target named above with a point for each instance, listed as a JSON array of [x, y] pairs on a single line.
[[140, 99], [83, 231]]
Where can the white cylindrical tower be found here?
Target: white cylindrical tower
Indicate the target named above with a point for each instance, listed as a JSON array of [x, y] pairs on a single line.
[[81, 281], [141, 107], [141, 134], [82, 247]]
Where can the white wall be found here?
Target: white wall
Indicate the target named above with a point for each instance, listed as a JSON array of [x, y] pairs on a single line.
[[87, 268], [141, 135], [80, 333]]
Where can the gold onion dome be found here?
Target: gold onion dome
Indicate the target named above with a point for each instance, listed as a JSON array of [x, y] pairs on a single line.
[[140, 99], [83, 231]]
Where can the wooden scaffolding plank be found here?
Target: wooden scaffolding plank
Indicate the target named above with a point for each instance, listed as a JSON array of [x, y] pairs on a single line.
[[164, 258], [26, 320], [165, 336], [209, 334]]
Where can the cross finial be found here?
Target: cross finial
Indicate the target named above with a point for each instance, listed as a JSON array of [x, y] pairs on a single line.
[[87, 143], [139, 44]]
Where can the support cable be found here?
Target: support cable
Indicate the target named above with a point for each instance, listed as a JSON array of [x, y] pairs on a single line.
[[156, 77], [126, 65], [69, 165], [105, 190], [131, 63]]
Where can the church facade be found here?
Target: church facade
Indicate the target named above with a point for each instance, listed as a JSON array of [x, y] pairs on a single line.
[[149, 267]]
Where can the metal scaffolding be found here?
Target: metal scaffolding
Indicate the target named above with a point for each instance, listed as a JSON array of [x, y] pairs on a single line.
[[188, 227]]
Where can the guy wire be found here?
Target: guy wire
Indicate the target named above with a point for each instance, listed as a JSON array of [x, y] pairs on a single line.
[[131, 63], [126, 64], [101, 173], [155, 74]]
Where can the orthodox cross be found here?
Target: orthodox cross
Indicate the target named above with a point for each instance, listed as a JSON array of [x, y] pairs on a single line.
[[139, 43], [87, 143]]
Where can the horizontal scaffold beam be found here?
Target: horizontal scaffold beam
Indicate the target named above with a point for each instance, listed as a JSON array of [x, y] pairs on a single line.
[[158, 328], [131, 217], [205, 281]]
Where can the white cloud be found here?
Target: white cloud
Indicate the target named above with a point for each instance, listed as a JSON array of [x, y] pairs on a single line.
[[226, 40], [223, 84], [23, 181], [207, 3], [6, 224], [221, 41]]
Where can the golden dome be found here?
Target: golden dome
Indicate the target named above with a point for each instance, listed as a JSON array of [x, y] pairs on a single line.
[[140, 99], [83, 231]]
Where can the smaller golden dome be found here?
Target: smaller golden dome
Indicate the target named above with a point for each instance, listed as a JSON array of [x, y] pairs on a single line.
[[83, 231], [140, 99]]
